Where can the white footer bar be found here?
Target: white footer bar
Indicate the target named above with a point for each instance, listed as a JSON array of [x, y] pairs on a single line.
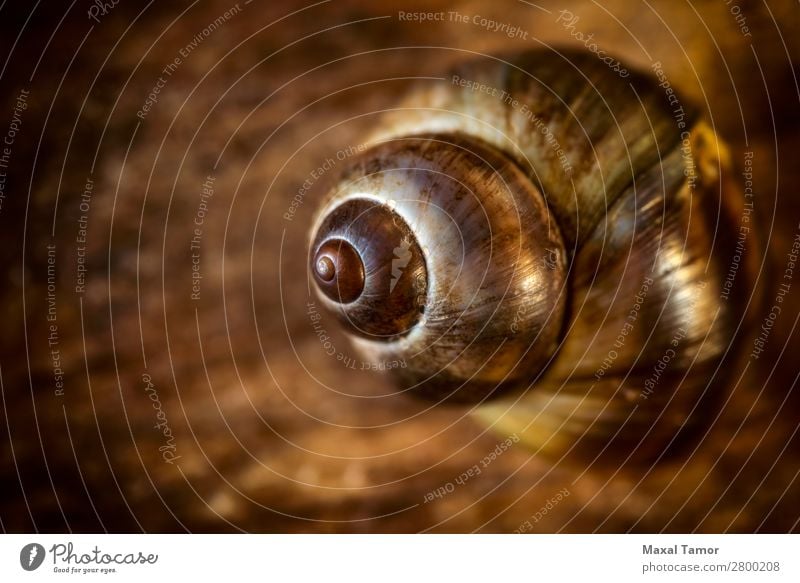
[[401, 558]]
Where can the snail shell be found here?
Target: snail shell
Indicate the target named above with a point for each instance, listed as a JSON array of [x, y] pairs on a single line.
[[539, 228]]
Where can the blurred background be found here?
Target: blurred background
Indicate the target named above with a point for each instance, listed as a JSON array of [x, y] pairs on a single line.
[[159, 368]]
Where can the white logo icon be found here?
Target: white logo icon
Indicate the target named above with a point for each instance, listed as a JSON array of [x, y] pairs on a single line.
[[402, 255], [31, 556]]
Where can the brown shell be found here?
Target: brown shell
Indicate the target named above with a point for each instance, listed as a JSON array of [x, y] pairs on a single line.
[[491, 313], [638, 187]]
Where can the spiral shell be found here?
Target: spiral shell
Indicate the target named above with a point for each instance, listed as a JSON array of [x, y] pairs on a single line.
[[446, 267], [567, 224]]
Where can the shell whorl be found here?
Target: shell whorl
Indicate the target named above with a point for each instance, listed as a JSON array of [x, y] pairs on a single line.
[[488, 291], [608, 209]]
